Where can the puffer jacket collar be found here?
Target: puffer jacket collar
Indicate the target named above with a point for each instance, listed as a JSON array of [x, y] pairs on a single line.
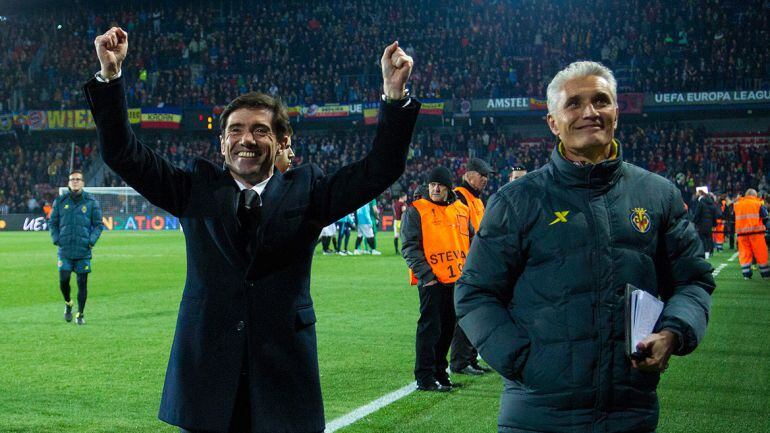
[[597, 177]]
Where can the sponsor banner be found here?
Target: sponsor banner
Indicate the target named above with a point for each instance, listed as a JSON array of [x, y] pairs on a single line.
[[331, 111], [141, 222], [371, 111], [161, 118], [38, 223], [432, 108], [67, 119], [23, 222], [500, 105], [707, 98]]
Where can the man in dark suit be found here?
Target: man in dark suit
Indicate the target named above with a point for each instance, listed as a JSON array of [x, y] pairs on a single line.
[[705, 215], [244, 355]]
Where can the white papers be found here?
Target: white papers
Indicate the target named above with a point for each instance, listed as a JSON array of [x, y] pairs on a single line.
[[643, 311]]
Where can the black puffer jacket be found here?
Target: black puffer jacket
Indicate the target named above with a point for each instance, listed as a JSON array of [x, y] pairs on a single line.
[[705, 215], [541, 295]]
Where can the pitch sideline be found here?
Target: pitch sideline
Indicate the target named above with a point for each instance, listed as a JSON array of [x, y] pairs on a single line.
[[370, 408]]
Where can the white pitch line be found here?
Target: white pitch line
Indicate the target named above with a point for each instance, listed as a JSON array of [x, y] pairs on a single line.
[[724, 265], [719, 269], [370, 408]]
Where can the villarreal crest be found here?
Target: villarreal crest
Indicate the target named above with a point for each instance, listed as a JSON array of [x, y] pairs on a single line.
[[640, 219]]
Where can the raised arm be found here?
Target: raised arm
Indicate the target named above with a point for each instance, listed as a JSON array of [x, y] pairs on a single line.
[[163, 184], [356, 184]]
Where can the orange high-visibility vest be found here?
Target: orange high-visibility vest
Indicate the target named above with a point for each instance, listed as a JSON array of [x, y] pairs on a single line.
[[475, 206], [445, 238], [718, 232], [747, 220]]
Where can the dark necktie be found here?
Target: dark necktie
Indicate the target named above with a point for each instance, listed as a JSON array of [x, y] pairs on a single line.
[[249, 204]]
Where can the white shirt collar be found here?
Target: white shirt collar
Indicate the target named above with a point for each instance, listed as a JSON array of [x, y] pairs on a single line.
[[258, 187]]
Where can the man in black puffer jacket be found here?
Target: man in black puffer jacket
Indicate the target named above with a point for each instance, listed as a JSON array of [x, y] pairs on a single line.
[[542, 293]]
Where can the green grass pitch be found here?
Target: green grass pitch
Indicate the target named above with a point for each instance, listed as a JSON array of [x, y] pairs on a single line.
[[107, 376]]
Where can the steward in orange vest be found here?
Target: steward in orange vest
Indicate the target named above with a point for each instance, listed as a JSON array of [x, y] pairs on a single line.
[[469, 193], [436, 233], [718, 232], [464, 355], [750, 217]]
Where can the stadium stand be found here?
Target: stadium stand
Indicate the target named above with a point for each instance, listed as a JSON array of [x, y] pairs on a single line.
[[205, 53], [201, 54]]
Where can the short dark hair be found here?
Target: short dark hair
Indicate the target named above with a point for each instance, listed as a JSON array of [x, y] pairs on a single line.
[[255, 100], [76, 171]]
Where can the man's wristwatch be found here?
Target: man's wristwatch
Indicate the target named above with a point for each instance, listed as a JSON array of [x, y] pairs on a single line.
[[392, 101], [101, 78]]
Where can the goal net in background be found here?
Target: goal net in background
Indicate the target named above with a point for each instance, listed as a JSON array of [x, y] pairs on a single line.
[[124, 209]]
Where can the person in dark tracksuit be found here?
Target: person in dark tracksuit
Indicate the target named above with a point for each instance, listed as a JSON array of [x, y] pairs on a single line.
[[436, 232], [542, 292], [75, 226]]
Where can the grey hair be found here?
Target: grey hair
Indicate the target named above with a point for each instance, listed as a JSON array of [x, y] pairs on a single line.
[[578, 70]]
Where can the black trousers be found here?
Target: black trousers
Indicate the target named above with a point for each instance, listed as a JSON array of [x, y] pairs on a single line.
[[707, 241], [435, 328], [463, 352]]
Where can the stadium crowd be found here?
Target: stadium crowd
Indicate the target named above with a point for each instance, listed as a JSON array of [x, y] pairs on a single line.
[[205, 53], [33, 169]]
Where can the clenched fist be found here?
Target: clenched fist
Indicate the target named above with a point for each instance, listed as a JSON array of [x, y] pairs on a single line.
[[396, 68], [111, 48]]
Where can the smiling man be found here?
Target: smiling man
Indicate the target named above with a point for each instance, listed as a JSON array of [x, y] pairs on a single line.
[[542, 292], [244, 357]]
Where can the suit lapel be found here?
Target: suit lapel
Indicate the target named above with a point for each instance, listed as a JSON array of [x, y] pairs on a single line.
[[272, 197], [226, 227]]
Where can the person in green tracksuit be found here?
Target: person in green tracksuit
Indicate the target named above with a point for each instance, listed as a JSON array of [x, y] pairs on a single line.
[[75, 226], [542, 293]]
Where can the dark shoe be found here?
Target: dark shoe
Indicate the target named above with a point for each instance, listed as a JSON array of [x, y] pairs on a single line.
[[445, 381], [68, 312], [435, 387], [480, 367], [469, 370], [80, 320]]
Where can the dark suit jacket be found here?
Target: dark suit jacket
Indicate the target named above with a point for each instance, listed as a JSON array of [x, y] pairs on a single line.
[[232, 303]]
